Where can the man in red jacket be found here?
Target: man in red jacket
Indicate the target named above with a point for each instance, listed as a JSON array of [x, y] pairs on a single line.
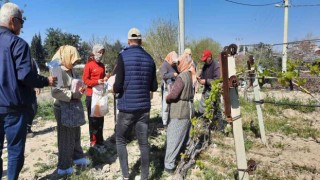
[[94, 74]]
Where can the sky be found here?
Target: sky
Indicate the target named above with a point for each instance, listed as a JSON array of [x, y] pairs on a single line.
[[223, 21]]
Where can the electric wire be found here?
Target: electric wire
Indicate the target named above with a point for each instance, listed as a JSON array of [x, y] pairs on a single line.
[[285, 104], [277, 44], [246, 4]]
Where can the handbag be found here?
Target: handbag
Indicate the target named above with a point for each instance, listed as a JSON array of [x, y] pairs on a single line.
[[72, 113]]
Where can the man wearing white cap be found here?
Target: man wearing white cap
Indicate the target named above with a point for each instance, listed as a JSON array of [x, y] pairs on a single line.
[[135, 78]]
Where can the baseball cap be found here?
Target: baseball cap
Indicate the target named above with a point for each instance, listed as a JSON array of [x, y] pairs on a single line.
[[188, 51], [317, 50], [206, 53], [134, 33]]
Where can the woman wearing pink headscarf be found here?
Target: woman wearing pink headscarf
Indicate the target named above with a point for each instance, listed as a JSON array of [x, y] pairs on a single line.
[[181, 110]]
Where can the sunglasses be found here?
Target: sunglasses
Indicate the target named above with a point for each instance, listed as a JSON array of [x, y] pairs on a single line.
[[21, 20]]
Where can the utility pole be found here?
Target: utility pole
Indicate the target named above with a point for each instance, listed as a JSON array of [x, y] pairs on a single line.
[[285, 37], [181, 26]]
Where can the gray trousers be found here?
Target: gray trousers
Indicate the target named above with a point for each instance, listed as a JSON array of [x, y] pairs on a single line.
[[69, 142], [176, 135]]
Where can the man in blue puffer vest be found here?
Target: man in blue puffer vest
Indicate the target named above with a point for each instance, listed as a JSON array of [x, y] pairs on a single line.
[[135, 78]]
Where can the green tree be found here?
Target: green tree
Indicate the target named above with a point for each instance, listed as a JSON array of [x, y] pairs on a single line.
[[264, 55], [56, 38], [197, 47], [111, 50], [37, 50], [160, 39], [84, 51]]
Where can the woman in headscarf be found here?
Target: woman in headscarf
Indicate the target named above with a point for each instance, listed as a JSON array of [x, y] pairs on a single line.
[[94, 74], [169, 73], [68, 111], [181, 110]]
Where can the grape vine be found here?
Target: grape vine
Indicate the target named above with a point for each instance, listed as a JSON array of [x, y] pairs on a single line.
[[200, 131]]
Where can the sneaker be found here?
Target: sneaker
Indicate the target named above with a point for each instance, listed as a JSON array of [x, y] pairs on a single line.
[[122, 178], [30, 133], [65, 171], [99, 149], [82, 162], [170, 171]]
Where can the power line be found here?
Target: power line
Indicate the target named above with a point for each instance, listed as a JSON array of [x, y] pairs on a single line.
[[303, 5], [277, 44], [245, 4], [286, 104], [306, 5]]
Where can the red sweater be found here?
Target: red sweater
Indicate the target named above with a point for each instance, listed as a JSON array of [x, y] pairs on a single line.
[[93, 71]]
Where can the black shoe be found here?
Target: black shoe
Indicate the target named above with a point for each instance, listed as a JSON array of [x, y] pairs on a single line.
[[170, 171], [30, 133]]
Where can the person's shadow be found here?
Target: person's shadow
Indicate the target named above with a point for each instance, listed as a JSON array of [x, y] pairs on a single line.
[[105, 154]]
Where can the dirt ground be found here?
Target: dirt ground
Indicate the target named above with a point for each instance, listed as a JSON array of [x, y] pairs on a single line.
[[41, 150]]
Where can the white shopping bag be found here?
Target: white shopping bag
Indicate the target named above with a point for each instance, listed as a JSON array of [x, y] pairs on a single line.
[[99, 102]]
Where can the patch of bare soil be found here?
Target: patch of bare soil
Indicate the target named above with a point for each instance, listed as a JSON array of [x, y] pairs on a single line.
[[284, 158]]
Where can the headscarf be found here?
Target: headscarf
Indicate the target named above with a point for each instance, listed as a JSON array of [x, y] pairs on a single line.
[[172, 57], [95, 51], [186, 64], [67, 56]]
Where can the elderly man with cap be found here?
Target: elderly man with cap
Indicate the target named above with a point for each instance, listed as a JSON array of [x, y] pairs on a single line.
[[135, 78], [94, 74], [210, 71], [18, 78]]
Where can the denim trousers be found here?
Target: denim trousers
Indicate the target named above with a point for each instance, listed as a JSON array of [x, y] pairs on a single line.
[[125, 123], [14, 126]]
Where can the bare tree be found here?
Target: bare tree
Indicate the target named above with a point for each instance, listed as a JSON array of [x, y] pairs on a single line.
[[160, 39]]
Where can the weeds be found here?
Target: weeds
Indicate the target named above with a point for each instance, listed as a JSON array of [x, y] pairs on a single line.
[[43, 167], [45, 110]]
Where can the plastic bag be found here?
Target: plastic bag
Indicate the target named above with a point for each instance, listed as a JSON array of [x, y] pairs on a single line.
[[110, 82], [99, 102], [52, 64]]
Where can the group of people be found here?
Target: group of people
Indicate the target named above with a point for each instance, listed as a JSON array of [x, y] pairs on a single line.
[[135, 79]]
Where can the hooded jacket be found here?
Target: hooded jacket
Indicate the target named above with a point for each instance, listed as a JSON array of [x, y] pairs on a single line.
[[93, 71]]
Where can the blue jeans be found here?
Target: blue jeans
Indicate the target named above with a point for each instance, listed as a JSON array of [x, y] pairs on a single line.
[[125, 122], [14, 126]]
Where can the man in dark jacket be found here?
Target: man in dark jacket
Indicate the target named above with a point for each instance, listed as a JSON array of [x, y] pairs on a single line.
[[210, 72], [18, 78], [135, 78]]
